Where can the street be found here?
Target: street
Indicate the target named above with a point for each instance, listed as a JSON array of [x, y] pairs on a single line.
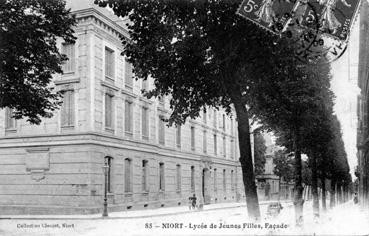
[[346, 219]]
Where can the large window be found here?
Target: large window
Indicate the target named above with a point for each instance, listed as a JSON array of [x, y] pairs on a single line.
[[232, 149], [232, 180], [144, 175], [215, 144], [128, 75], [224, 181], [128, 117], [224, 147], [204, 142], [161, 177], [232, 126], [215, 180], [145, 123], [215, 118], [192, 137], [204, 118], [192, 179], [68, 65], [127, 175], [109, 64], [67, 109], [161, 128], [224, 122], [108, 111], [10, 122], [178, 177], [178, 136]]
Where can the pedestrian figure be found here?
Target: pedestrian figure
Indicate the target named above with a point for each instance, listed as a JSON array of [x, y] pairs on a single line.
[[192, 202]]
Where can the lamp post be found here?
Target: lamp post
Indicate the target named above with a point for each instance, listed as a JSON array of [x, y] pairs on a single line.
[[105, 169]]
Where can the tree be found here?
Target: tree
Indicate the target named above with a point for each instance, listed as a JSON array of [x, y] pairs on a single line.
[[306, 173], [29, 56], [339, 168], [288, 105], [199, 52], [259, 153], [283, 166], [316, 139]]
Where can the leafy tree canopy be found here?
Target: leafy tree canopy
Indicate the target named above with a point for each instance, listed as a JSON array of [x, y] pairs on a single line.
[[259, 153], [283, 165], [29, 55]]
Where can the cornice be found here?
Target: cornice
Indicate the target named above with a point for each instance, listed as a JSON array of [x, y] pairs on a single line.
[[112, 25], [92, 138]]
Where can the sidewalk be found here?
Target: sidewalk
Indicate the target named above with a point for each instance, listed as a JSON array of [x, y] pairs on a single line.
[[136, 213], [344, 219]]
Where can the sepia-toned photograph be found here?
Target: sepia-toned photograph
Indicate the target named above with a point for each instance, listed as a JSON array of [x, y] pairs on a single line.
[[184, 117]]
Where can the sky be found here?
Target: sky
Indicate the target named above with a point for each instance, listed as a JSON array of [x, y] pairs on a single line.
[[344, 85]]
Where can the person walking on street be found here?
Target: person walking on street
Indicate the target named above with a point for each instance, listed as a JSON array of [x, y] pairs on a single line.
[[192, 202]]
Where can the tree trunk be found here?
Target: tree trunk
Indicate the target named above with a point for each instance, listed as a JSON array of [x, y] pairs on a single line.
[[333, 193], [246, 160], [314, 183], [279, 188], [339, 193], [298, 201], [324, 203]]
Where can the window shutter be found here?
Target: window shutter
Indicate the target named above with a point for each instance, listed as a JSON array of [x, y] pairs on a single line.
[[128, 117], [71, 108], [107, 62], [144, 121], [72, 57], [127, 175], [64, 112]]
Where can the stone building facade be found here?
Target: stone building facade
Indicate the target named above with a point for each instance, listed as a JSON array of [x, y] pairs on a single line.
[[56, 167], [362, 171]]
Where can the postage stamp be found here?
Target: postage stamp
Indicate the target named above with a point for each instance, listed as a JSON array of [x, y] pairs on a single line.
[[271, 15], [318, 28], [332, 17], [335, 17]]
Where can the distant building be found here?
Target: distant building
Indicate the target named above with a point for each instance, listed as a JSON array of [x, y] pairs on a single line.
[[269, 186], [56, 167], [362, 171]]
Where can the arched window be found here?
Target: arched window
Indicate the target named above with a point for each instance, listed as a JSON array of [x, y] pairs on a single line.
[[215, 181], [232, 181], [108, 162], [161, 177], [145, 170], [192, 179], [178, 177], [224, 181], [127, 175]]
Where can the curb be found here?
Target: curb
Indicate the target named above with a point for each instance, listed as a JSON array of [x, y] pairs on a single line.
[[123, 217]]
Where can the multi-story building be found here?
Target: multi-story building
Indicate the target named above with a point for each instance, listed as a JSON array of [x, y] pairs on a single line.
[[363, 102], [57, 166]]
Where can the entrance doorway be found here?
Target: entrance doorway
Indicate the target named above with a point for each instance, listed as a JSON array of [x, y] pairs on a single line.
[[204, 186]]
